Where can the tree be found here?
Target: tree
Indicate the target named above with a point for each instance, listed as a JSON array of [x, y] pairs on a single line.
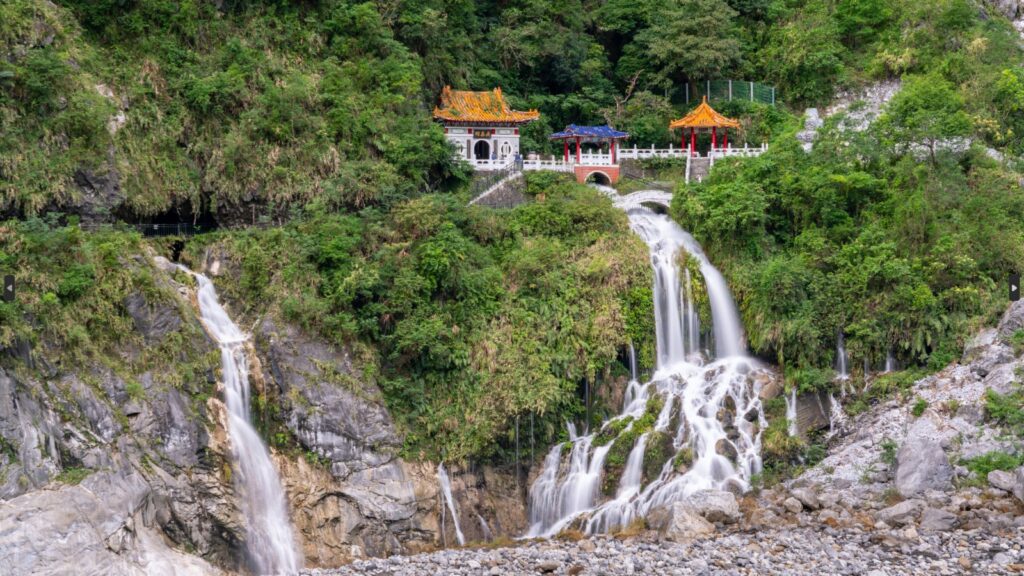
[[693, 40], [928, 111], [803, 58]]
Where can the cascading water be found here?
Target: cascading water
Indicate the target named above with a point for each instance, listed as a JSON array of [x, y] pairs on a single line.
[[711, 414], [446, 490], [836, 416], [841, 359], [791, 412], [890, 361], [269, 539]]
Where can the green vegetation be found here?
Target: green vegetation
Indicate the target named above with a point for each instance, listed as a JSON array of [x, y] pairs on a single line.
[[858, 235], [982, 465], [72, 476], [889, 452], [920, 405], [1006, 410], [467, 318]]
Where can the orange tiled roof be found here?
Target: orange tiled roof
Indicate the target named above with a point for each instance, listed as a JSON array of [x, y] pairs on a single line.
[[466, 106], [704, 116]]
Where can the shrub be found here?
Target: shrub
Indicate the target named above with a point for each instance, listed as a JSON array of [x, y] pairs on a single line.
[[76, 281], [889, 449], [919, 407], [982, 465]]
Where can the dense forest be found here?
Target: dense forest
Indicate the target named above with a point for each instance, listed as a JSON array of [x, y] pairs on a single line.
[[316, 115]]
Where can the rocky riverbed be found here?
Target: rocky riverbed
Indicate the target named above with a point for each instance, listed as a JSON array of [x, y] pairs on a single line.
[[796, 550]]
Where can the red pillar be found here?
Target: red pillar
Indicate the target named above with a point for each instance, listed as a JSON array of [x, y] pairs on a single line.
[[714, 138], [566, 142], [613, 153], [578, 160], [725, 139], [693, 141]]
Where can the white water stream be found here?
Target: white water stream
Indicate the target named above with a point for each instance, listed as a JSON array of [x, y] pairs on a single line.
[[791, 427], [269, 542], [711, 414], [446, 490]]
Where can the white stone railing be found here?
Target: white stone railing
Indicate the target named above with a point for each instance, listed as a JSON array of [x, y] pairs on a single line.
[[486, 164], [558, 163], [554, 164]]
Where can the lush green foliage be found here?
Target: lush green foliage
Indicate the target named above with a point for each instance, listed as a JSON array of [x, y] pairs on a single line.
[[858, 235], [471, 320], [249, 108], [72, 289]]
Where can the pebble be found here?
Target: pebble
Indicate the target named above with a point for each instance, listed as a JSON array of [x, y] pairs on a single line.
[[767, 550]]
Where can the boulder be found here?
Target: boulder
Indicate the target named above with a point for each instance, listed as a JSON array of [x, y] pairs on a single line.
[[1003, 480], [1012, 320], [938, 520], [793, 505], [899, 514], [807, 497], [714, 505], [812, 412], [678, 522], [922, 464]]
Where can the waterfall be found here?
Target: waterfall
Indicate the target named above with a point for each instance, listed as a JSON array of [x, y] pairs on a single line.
[[269, 540], [890, 361], [836, 416], [791, 412], [841, 359], [696, 392], [446, 489]]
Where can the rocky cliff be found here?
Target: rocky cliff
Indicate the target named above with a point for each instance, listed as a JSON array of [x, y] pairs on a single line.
[[143, 459]]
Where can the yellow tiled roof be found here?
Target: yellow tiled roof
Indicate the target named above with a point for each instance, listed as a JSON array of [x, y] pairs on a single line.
[[704, 116], [466, 106]]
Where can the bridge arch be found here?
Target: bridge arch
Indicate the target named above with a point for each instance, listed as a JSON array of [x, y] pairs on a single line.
[[599, 177]]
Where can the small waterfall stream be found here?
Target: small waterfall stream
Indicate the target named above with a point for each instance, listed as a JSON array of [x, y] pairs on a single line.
[[841, 358], [791, 412], [270, 542], [711, 414], [446, 489]]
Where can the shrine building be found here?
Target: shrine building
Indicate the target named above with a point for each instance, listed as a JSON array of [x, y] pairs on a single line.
[[484, 130], [704, 118]]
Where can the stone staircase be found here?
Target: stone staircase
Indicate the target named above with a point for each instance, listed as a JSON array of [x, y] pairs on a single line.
[[699, 169]]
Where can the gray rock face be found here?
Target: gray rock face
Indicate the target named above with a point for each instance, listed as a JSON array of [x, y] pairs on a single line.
[[922, 464], [97, 527], [1012, 320], [678, 522], [152, 320], [1012, 9], [326, 403], [101, 195]]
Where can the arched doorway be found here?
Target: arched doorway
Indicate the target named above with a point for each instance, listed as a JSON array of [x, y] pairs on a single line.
[[599, 178], [482, 150]]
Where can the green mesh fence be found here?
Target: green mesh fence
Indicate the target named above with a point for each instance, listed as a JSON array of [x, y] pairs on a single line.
[[730, 90]]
